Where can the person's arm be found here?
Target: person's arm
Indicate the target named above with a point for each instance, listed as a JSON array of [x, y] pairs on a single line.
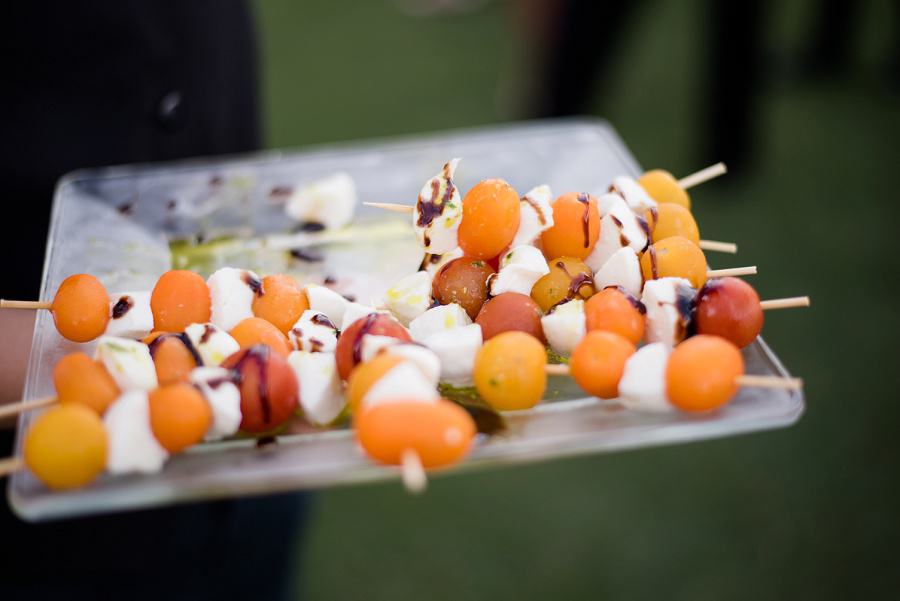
[[17, 327]]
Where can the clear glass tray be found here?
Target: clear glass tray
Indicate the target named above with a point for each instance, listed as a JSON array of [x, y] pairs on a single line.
[[117, 223]]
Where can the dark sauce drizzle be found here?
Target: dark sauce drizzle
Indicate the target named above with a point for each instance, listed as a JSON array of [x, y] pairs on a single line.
[[654, 219], [307, 254], [685, 303], [254, 283], [654, 262], [584, 199], [542, 219], [265, 441], [366, 328], [623, 239], [310, 227], [575, 283], [641, 307], [427, 209], [281, 192], [185, 340], [320, 319], [122, 306], [429, 259]]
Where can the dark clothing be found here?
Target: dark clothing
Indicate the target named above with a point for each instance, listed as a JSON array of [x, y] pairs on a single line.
[[89, 84]]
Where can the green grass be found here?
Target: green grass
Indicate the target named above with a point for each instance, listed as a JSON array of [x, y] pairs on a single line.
[[809, 512]]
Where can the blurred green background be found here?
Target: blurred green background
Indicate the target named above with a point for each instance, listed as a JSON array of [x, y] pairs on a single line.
[[808, 512]]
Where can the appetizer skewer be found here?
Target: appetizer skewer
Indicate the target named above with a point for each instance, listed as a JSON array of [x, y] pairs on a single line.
[[712, 245]]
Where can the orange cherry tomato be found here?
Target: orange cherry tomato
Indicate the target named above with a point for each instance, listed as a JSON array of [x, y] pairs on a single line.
[[67, 446], [663, 188], [614, 309], [80, 379], [597, 362], [575, 229], [81, 308], [282, 302], [490, 218], [702, 373], [179, 416], [255, 330], [439, 433], [179, 299], [675, 256]]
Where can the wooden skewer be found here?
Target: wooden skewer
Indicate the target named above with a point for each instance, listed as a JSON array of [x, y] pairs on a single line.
[[784, 303], [722, 247], [704, 175], [734, 271], [10, 465], [390, 207], [556, 369], [412, 472], [770, 382], [16, 408], [14, 304]]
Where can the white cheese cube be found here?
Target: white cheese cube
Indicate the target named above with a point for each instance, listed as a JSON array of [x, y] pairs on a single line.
[[355, 312], [669, 303], [128, 362], [565, 326], [427, 360], [314, 332], [535, 215], [438, 319], [232, 292], [633, 193], [438, 212], [606, 201], [623, 269], [224, 398], [321, 394], [327, 301], [520, 268], [132, 445], [619, 228], [456, 348], [330, 201], [213, 344], [130, 315], [643, 383], [404, 381], [410, 297]]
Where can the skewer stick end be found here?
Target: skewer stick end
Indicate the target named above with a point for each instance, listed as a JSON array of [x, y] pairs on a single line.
[[556, 369], [760, 381], [785, 303], [704, 175], [412, 472], [736, 271], [15, 304], [16, 408], [11, 465], [390, 207], [715, 246]]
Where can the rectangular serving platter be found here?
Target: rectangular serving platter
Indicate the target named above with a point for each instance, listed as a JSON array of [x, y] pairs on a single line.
[[119, 223]]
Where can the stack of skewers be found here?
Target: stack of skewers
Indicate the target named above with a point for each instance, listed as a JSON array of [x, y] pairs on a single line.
[[613, 291]]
